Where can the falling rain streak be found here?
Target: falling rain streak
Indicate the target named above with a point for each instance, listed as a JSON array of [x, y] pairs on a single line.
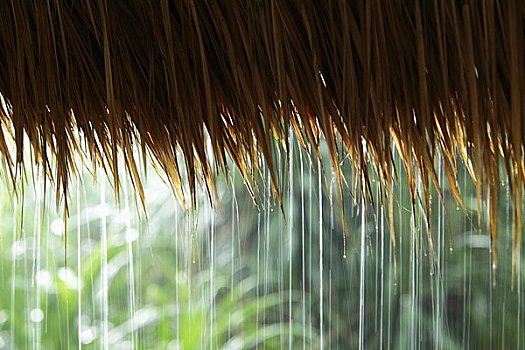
[[263, 272]]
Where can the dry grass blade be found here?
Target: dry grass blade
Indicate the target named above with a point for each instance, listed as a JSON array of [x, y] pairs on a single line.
[[109, 78]]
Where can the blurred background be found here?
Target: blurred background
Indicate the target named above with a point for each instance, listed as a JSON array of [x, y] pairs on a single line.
[[247, 273]]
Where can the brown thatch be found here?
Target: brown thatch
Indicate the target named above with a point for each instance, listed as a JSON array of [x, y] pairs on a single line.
[[441, 75]]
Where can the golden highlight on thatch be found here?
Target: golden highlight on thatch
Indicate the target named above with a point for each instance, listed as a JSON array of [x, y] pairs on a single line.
[[433, 76]]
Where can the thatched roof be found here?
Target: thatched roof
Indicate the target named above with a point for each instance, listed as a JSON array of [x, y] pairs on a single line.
[[433, 76]]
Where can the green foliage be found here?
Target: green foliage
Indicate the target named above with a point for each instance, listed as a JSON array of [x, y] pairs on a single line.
[[162, 291], [245, 276]]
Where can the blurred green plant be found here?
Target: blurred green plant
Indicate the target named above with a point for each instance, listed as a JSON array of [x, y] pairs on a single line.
[[245, 276], [163, 290]]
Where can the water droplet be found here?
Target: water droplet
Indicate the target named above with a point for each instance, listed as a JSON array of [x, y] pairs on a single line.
[[3, 317], [44, 278], [57, 227], [36, 315], [174, 345], [344, 256], [19, 248], [131, 235], [68, 277], [451, 249], [87, 336]]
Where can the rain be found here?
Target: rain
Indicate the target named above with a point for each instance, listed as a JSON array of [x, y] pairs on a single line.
[[248, 273]]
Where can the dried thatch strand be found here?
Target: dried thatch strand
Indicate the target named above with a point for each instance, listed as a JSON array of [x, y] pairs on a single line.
[[431, 75]]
